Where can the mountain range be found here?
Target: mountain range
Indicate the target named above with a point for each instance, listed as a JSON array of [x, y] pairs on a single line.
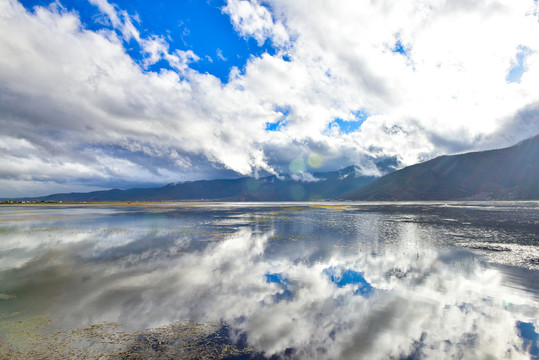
[[502, 174], [318, 186]]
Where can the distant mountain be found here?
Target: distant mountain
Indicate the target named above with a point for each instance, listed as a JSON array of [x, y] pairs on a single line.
[[504, 174], [318, 186]]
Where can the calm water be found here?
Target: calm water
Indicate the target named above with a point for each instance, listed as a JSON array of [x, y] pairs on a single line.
[[252, 281]]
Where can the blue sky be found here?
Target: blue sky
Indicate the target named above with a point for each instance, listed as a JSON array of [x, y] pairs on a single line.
[[197, 25], [99, 93]]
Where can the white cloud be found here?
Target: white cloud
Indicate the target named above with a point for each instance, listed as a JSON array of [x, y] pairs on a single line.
[[251, 19], [450, 85], [155, 48], [304, 177], [67, 88], [119, 19], [220, 55]]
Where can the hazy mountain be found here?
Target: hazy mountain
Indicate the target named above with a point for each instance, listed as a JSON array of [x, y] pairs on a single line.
[[504, 174], [318, 186]]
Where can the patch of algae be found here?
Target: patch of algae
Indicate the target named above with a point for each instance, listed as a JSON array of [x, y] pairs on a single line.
[[287, 210], [27, 339], [20, 337], [333, 207]]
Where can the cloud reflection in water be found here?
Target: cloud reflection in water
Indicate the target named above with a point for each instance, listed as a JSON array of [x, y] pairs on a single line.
[[402, 299]]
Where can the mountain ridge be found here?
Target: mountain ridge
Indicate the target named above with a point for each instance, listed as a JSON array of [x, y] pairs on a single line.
[[317, 186], [510, 173]]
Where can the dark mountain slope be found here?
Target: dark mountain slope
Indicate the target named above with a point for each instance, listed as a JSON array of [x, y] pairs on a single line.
[[504, 174], [329, 185]]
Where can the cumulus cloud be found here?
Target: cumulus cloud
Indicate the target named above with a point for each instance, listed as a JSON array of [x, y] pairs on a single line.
[[67, 90], [304, 177], [251, 19], [445, 92]]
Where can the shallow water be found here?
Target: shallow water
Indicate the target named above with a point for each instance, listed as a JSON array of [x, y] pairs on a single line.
[[244, 280]]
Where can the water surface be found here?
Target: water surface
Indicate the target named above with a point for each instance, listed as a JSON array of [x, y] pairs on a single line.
[[255, 280]]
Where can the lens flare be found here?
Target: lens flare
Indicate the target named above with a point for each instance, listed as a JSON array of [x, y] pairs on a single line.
[[315, 160], [297, 192], [297, 166], [253, 184]]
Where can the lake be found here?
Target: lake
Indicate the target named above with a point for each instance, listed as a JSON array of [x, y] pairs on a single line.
[[322, 280]]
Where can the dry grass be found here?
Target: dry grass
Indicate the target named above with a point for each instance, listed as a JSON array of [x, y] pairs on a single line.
[[27, 339]]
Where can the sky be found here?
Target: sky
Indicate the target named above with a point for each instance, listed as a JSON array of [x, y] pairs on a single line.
[[103, 94]]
